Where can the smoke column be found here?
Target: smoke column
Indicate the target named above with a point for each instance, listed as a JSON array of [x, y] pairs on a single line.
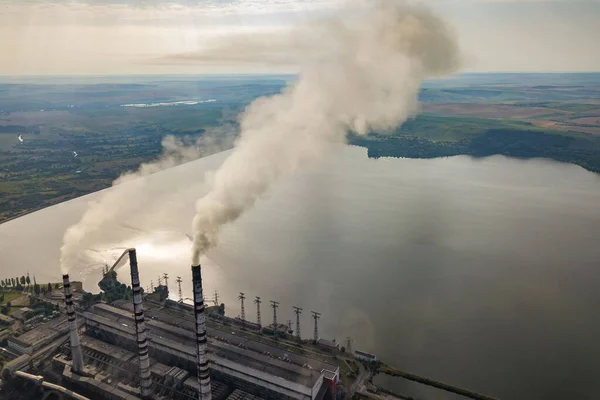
[[360, 74], [114, 205]]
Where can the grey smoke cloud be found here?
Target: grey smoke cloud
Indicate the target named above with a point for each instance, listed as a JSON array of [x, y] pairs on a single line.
[[114, 206], [358, 74]]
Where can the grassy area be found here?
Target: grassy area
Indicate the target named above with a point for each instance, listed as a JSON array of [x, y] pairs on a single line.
[[9, 297], [430, 136], [44, 171], [346, 379], [56, 120]]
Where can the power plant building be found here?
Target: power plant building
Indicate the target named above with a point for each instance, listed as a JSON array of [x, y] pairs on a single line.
[[31, 341], [251, 366]]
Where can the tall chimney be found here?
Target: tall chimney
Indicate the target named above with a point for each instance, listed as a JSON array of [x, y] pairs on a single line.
[[76, 355], [202, 360], [140, 328]]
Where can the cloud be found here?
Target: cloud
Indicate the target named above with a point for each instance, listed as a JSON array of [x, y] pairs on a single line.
[[207, 6], [163, 36]]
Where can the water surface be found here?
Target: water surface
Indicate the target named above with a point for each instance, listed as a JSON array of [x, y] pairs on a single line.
[[478, 272]]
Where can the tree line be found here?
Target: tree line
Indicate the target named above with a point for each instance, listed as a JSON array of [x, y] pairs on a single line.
[[23, 283]]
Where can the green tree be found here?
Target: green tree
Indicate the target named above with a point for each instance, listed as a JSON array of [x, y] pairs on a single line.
[[27, 280], [36, 289], [22, 280], [12, 282], [49, 287]]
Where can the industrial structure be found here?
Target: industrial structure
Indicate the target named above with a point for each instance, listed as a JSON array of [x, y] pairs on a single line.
[[257, 302], [316, 316], [180, 352], [274, 305], [140, 328], [297, 311], [180, 292], [202, 368], [242, 297], [77, 364]]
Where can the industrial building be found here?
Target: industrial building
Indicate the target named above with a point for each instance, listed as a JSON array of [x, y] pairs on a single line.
[[364, 356], [33, 340], [120, 351], [253, 366]]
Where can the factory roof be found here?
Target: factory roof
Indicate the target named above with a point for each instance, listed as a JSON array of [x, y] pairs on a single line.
[[105, 348], [222, 333], [42, 333], [328, 343], [240, 395], [225, 344]]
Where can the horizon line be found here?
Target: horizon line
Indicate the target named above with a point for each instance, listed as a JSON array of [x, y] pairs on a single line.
[[84, 75]]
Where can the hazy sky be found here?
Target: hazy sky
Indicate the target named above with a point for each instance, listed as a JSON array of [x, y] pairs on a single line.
[[127, 36]]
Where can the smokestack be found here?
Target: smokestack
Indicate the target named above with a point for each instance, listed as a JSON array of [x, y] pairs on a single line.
[[76, 355], [202, 360], [140, 328]]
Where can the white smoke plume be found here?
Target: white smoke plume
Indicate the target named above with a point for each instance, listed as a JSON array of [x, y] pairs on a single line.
[[113, 207], [359, 74]]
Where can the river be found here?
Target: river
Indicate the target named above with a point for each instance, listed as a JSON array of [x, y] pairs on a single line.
[[481, 273]]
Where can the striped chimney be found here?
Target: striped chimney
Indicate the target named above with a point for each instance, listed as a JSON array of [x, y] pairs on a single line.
[[76, 355], [202, 360], [140, 328]]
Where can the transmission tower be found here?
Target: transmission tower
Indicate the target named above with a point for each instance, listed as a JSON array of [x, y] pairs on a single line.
[[257, 302], [274, 304], [316, 316], [298, 311], [348, 345], [166, 278], [216, 299], [159, 280], [242, 297], [179, 287], [152, 285]]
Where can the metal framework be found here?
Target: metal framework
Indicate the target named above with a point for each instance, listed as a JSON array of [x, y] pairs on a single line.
[[274, 304], [257, 302], [316, 316], [297, 311]]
